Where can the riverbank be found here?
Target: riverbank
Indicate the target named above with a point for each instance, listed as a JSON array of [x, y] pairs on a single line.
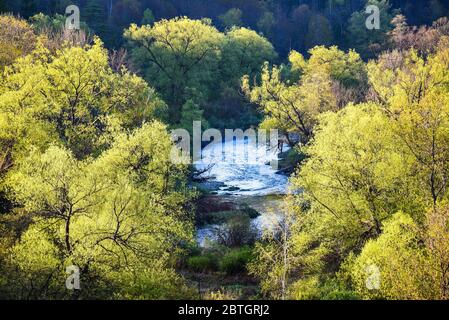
[[240, 201]]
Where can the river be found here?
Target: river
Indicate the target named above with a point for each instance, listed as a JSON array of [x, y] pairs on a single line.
[[246, 173]]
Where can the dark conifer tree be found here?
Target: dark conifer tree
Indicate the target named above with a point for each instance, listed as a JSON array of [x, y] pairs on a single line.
[[28, 8], [94, 14]]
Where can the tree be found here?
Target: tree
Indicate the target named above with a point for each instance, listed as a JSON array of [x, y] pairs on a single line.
[[346, 68], [319, 32], [70, 97], [371, 190], [389, 267], [415, 97], [110, 221], [278, 257], [232, 18], [46, 24], [21, 103], [191, 112], [177, 54], [148, 17], [28, 8], [266, 23], [293, 107], [436, 237], [437, 9], [96, 18], [244, 52], [424, 39], [16, 39], [411, 259], [355, 177], [300, 22]]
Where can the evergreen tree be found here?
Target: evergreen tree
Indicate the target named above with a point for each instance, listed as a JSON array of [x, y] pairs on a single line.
[[320, 32], [96, 18], [233, 17], [370, 42]]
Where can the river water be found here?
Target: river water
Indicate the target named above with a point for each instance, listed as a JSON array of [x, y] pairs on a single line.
[[248, 173]]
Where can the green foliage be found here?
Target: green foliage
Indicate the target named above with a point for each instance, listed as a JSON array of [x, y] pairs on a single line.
[[370, 42], [314, 288], [280, 254], [86, 177], [320, 32], [370, 206], [244, 52], [232, 18], [203, 263], [418, 113], [355, 177], [320, 84], [154, 283], [50, 26], [95, 16], [148, 17], [178, 54], [88, 170], [266, 23], [396, 254], [237, 231], [346, 68], [235, 261], [218, 258], [191, 60], [191, 112], [70, 97], [41, 22], [122, 209], [221, 217], [409, 257]]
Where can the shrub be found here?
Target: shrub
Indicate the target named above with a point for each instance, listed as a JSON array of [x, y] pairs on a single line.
[[238, 231], [250, 212], [235, 261], [314, 288], [221, 217]]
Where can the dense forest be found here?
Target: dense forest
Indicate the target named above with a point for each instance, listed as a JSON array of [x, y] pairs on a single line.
[[288, 24], [86, 171]]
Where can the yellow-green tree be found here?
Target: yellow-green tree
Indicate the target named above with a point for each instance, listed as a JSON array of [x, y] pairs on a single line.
[[68, 96], [371, 174], [312, 87], [285, 252], [244, 52], [411, 259], [415, 94], [177, 54], [355, 177], [119, 218]]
